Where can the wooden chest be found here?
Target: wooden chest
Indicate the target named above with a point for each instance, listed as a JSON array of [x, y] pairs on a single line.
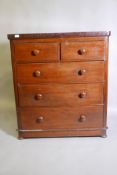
[[60, 82]]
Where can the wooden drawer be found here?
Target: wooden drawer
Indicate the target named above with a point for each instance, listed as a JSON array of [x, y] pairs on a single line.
[[36, 52], [60, 72], [84, 50], [61, 118], [61, 95]]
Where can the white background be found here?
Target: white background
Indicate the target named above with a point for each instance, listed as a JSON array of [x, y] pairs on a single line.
[[55, 156]]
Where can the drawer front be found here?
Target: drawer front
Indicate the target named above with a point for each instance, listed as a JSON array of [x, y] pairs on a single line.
[[78, 51], [36, 52], [60, 72], [61, 95], [61, 118]]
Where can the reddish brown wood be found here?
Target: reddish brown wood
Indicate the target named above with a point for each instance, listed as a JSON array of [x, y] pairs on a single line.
[[75, 51], [61, 94], [60, 72], [58, 35], [36, 52], [64, 133], [60, 83], [105, 93], [82, 118], [61, 118]]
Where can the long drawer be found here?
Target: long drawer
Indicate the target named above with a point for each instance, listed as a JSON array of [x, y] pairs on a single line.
[[78, 72], [60, 94], [61, 118]]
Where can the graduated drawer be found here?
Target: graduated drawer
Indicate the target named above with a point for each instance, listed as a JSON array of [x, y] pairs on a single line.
[[75, 72], [82, 50], [61, 118], [60, 94], [36, 52]]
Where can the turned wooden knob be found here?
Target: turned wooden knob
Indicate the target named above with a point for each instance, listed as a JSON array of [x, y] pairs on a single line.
[[81, 51], [35, 52], [81, 72], [82, 95], [40, 119], [82, 118], [38, 96], [37, 73]]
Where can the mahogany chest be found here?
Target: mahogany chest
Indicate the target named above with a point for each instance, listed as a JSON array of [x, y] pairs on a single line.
[[60, 82]]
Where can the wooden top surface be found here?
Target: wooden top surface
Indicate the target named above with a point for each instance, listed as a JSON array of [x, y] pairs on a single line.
[[58, 35]]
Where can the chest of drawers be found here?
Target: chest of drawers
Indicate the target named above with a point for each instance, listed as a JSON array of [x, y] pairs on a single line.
[[60, 82]]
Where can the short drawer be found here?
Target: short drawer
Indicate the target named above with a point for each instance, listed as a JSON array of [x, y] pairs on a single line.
[[36, 52], [60, 72], [60, 95], [84, 50], [61, 118]]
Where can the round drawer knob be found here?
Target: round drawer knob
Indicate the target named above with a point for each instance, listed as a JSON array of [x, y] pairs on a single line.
[[81, 51], [81, 72], [82, 95], [38, 96], [35, 52], [37, 73], [39, 119], [82, 118]]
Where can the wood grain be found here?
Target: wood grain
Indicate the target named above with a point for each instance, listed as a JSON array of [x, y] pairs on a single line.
[[61, 118], [60, 72], [60, 95], [59, 35], [79, 51], [46, 52]]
